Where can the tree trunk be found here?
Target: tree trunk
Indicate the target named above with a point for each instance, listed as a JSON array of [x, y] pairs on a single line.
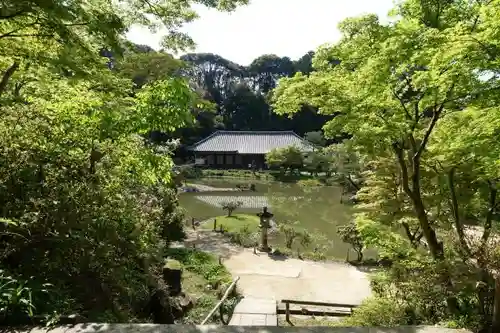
[[414, 193], [360, 255], [7, 75], [495, 327], [455, 211], [483, 294]]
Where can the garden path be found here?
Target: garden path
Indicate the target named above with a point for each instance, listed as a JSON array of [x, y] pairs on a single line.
[[270, 277]]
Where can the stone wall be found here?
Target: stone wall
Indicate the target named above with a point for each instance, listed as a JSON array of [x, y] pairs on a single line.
[[154, 328]]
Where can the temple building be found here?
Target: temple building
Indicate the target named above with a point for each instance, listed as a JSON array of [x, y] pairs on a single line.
[[241, 149]]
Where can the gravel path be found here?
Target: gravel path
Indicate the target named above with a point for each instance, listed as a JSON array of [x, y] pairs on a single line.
[[264, 276], [248, 201]]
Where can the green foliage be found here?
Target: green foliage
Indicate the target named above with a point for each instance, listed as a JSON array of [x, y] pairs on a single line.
[[418, 100], [204, 279], [349, 234], [346, 163], [201, 263], [316, 138], [308, 184], [378, 312], [288, 158], [16, 297], [146, 67], [164, 106], [236, 174], [231, 206], [77, 178], [319, 161], [305, 239], [89, 25], [290, 232], [246, 236], [241, 94]]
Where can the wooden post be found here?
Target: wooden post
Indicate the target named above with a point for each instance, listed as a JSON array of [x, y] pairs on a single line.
[[215, 224], [217, 306], [192, 224], [287, 311]]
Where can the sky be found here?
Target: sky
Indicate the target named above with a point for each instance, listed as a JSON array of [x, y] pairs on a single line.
[[282, 27]]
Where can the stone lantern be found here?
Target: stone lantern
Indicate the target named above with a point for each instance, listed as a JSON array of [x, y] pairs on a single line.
[[265, 224]]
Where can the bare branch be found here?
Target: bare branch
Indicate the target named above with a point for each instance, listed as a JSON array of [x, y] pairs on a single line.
[[404, 171], [26, 35], [435, 117], [408, 117], [489, 216], [11, 33]]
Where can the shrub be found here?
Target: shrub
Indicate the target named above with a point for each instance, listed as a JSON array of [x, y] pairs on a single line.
[[202, 263], [190, 172], [231, 206], [379, 312], [244, 237], [16, 298], [309, 183], [290, 232], [111, 222], [288, 158], [349, 234]]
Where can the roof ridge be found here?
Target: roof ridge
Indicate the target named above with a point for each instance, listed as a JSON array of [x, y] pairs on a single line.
[[231, 140], [254, 132]]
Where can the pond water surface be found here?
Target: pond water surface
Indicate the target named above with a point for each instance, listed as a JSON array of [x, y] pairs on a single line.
[[317, 209]]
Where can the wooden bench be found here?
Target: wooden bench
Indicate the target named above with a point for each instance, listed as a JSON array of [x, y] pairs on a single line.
[[287, 311]]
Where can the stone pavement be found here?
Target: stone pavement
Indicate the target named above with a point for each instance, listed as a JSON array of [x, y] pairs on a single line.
[[265, 276], [255, 312]]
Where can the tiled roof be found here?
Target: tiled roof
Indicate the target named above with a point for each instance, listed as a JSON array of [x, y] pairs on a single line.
[[250, 142]]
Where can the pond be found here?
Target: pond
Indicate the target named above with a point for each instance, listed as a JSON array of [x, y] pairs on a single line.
[[317, 209]]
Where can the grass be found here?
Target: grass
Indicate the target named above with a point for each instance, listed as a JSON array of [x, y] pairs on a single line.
[[235, 223], [203, 279]]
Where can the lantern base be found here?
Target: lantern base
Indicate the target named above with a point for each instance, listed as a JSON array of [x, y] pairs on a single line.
[[264, 249]]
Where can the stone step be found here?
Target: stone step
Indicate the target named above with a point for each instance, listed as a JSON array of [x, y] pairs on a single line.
[[255, 312]]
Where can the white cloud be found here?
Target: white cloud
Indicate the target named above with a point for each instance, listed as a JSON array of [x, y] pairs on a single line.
[[283, 27]]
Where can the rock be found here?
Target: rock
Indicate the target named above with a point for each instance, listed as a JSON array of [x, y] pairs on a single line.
[[161, 308], [172, 275], [181, 304]]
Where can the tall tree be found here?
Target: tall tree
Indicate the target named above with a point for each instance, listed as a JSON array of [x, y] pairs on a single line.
[[392, 89], [266, 70], [78, 179]]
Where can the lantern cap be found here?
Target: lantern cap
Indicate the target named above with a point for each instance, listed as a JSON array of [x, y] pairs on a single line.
[[265, 213]]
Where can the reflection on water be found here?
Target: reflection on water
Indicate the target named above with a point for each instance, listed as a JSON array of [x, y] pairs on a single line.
[[318, 209]]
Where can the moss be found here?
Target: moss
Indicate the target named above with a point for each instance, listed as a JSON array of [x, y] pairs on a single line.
[[173, 264]]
